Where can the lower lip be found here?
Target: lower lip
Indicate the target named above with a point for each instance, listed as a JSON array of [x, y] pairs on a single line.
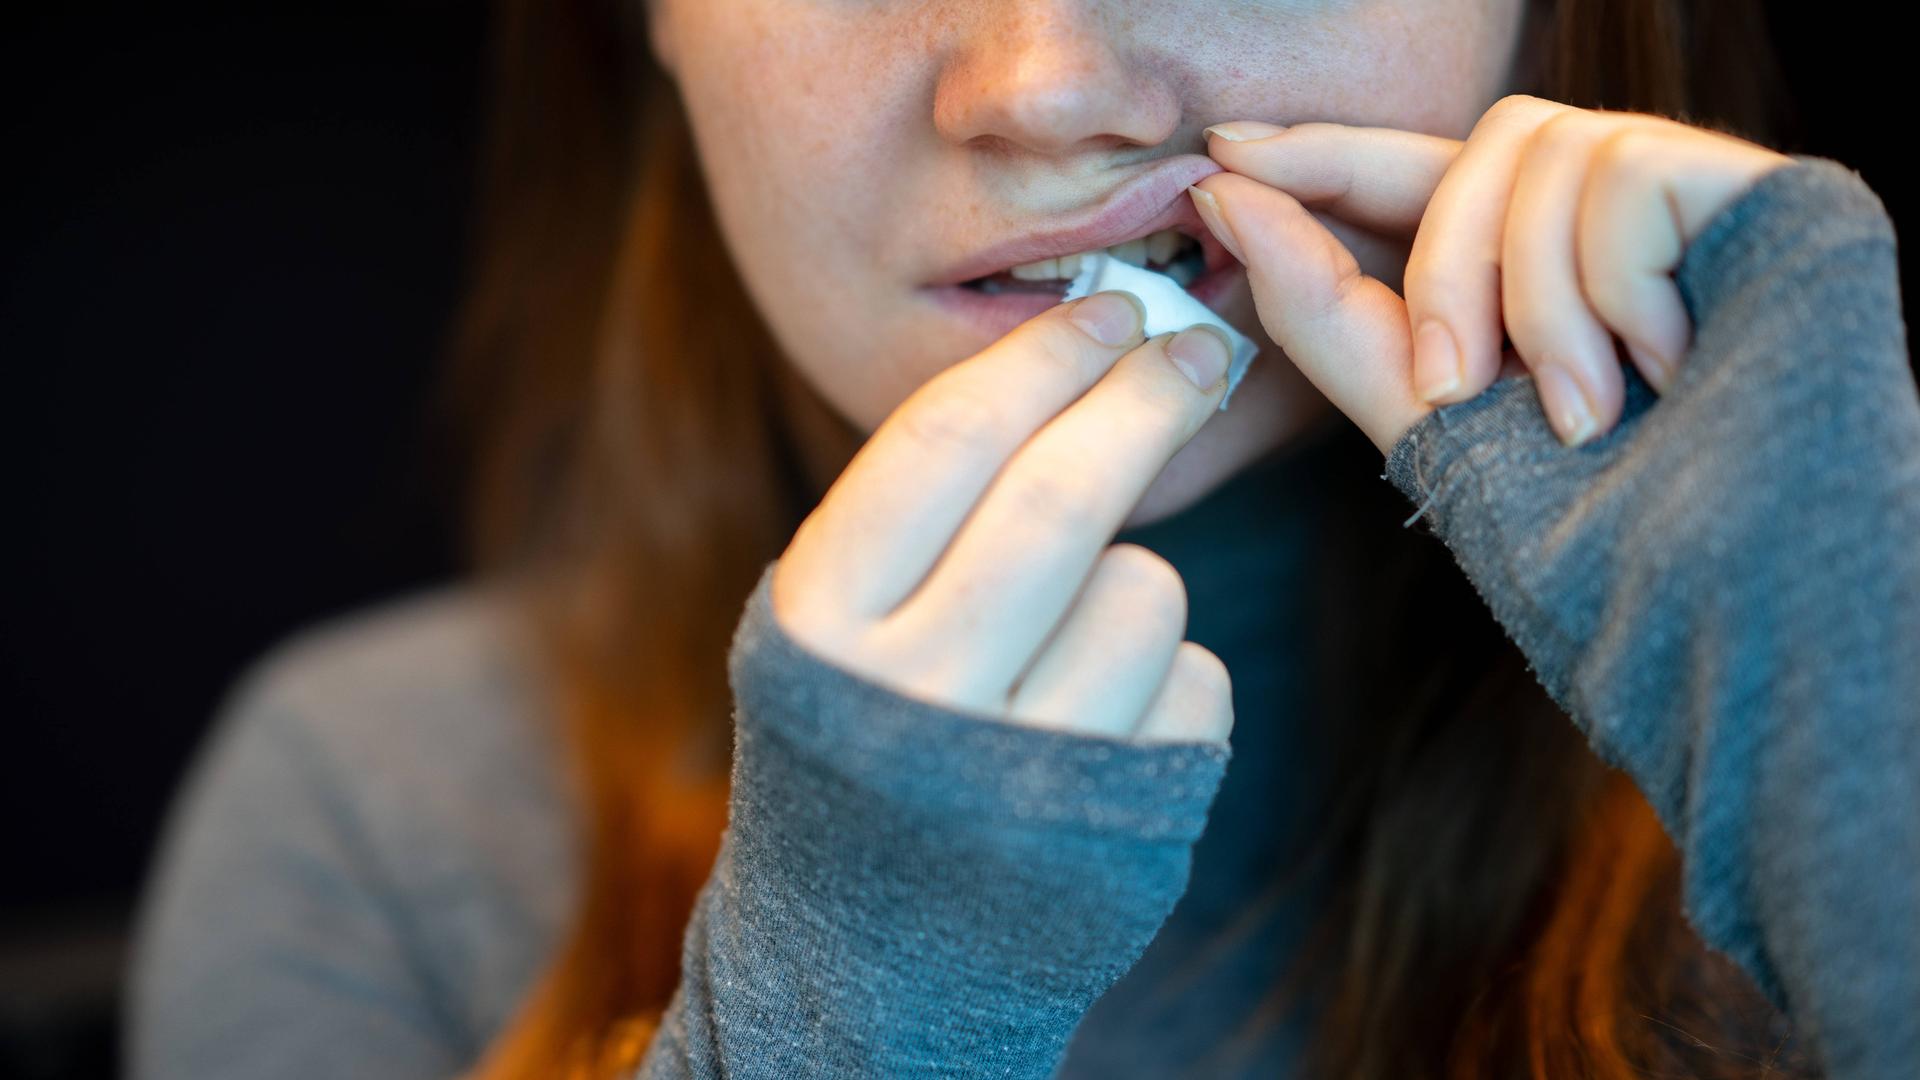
[[993, 316]]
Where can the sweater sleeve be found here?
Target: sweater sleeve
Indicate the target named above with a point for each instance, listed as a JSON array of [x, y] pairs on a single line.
[[1724, 594], [905, 890]]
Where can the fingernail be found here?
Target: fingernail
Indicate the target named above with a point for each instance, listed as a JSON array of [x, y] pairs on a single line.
[[1565, 402], [1113, 317], [1655, 367], [1201, 353], [1209, 208], [1436, 361], [1244, 130]]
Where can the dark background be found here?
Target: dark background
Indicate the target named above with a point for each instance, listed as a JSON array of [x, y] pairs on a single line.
[[232, 238]]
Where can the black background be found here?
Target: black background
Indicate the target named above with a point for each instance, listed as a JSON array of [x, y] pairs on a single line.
[[232, 238]]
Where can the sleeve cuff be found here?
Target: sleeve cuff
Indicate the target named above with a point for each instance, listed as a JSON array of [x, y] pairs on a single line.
[[1762, 229], [946, 760]]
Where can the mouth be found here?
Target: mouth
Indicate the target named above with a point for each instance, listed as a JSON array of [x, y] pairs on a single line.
[[1178, 255], [1149, 221]]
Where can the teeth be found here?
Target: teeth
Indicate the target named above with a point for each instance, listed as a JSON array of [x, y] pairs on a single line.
[[1162, 245], [1044, 270], [1158, 248]]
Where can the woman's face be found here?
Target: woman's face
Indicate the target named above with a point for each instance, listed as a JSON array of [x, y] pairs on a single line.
[[860, 153]]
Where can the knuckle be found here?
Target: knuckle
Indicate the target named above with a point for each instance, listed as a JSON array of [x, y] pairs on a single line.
[[810, 617], [1163, 402], [1057, 499], [1560, 133], [1156, 593], [921, 667], [1444, 282], [1330, 276], [1628, 155], [953, 421], [1530, 328], [1058, 350], [1204, 673], [1518, 104], [1164, 395], [1063, 349], [1516, 110], [1348, 278], [1611, 294]]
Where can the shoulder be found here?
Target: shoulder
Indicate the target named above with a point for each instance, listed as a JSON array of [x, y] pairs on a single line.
[[436, 687], [425, 714], [377, 813], [427, 654]]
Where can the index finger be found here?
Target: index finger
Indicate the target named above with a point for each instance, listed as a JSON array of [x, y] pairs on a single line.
[[884, 522], [1376, 178]]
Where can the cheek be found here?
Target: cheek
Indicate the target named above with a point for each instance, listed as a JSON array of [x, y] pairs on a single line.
[[768, 120], [1431, 67], [794, 152]]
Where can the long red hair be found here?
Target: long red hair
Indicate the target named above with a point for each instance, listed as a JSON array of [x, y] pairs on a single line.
[[634, 471]]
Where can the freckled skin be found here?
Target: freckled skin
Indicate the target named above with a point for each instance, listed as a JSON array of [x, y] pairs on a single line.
[[856, 149]]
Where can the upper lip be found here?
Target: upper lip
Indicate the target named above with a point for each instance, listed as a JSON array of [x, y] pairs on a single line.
[[1153, 200]]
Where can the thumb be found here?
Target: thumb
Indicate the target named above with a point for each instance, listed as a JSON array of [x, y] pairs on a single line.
[[1345, 331]]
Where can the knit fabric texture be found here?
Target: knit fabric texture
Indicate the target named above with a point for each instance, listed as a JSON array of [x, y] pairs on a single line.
[[1724, 593]]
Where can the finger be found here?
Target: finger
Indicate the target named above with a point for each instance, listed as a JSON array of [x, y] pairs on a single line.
[[1570, 352], [1377, 178], [1630, 243], [884, 522], [1345, 331], [1453, 272], [1653, 186], [1110, 653], [1195, 703], [1013, 569]]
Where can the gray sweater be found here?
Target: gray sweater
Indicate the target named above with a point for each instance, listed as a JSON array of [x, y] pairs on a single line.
[[371, 859]]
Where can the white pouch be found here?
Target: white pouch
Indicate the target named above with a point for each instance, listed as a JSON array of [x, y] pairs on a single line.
[[1169, 307]]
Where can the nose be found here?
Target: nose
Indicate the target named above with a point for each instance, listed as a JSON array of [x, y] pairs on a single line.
[[1049, 77]]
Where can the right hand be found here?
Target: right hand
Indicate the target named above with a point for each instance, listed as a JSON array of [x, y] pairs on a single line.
[[963, 556]]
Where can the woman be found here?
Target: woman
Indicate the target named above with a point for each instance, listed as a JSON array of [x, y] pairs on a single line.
[[972, 755]]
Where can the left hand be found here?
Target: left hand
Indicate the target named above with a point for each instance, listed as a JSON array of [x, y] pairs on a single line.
[[1561, 225]]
